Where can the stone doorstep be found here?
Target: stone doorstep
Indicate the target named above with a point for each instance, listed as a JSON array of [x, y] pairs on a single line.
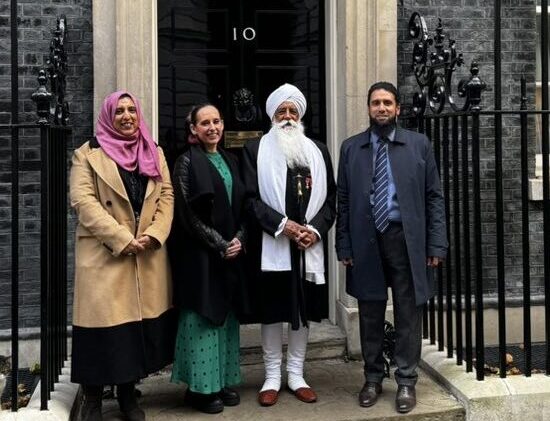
[[493, 399], [515, 398], [336, 382], [326, 341], [315, 351]]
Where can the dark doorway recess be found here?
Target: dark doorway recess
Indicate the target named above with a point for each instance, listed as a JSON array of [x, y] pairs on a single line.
[[223, 51]]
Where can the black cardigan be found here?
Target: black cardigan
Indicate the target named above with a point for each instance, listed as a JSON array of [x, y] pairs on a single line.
[[204, 224]]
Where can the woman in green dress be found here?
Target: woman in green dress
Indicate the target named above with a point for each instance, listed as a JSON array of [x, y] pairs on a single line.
[[206, 250]]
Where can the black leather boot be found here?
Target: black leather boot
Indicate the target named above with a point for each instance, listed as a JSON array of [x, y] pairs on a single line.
[[126, 396], [91, 404]]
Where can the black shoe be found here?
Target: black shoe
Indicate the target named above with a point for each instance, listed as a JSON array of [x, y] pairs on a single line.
[[126, 396], [209, 403], [134, 414], [91, 404], [90, 412], [229, 396], [368, 395], [405, 400]]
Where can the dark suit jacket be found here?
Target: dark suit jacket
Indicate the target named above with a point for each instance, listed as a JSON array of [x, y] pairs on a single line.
[[420, 202]]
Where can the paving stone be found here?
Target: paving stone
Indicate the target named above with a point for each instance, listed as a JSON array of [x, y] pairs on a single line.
[[336, 382]]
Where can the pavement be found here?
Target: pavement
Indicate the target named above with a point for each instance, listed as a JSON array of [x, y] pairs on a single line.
[[336, 381]]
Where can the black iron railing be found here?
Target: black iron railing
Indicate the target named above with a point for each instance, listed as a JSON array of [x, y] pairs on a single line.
[[457, 141], [52, 143], [53, 257], [458, 153], [51, 140]]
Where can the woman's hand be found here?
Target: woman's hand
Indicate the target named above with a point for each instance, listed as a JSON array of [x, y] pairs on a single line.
[[143, 243], [234, 249], [134, 247], [148, 243]]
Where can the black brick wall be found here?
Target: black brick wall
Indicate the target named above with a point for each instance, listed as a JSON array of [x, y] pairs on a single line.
[[36, 20], [470, 23]]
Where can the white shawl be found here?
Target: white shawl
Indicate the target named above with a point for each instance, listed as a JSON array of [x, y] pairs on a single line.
[[272, 177]]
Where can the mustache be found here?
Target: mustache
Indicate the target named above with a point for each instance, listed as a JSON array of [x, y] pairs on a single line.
[[286, 123], [390, 121]]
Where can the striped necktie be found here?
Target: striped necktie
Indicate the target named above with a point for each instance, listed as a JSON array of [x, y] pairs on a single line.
[[381, 211]]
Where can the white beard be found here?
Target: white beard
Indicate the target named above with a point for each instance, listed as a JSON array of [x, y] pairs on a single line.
[[291, 139]]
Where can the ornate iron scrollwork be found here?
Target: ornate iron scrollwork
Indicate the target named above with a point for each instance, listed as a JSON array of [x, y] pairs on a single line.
[[56, 73], [434, 64]]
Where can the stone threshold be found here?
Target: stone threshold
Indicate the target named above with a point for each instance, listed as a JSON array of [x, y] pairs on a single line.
[[326, 341], [336, 382], [514, 398]]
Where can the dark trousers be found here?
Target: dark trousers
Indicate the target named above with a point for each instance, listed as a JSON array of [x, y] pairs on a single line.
[[407, 315]]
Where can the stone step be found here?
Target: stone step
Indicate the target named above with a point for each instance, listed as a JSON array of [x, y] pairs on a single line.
[[336, 382], [326, 341]]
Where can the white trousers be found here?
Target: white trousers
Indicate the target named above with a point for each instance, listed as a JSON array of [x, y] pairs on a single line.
[[272, 345]]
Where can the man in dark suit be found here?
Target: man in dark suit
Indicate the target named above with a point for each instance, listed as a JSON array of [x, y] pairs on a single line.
[[390, 232]]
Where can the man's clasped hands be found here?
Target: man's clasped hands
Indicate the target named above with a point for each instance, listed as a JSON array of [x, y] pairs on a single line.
[[302, 235]]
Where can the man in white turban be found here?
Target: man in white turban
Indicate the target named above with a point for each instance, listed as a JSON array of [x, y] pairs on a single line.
[[291, 200]]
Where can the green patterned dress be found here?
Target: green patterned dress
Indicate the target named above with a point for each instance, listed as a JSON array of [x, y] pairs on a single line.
[[207, 356]]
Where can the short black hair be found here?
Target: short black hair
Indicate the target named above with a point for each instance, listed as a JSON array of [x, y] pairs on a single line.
[[387, 86]]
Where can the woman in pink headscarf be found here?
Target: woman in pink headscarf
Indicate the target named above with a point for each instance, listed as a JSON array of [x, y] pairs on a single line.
[[123, 324]]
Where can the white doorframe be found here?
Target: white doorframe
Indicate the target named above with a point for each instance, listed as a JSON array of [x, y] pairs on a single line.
[[333, 141]]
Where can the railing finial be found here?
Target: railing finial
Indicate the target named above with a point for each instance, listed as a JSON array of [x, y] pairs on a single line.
[[42, 98], [56, 74], [471, 88]]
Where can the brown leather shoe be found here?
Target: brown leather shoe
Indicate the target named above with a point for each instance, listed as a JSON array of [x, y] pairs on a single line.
[[368, 395], [268, 397], [305, 394], [405, 400]]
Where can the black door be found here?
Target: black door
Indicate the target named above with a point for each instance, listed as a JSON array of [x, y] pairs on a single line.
[[234, 54]]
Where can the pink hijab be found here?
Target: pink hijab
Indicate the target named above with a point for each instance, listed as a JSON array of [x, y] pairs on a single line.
[[136, 151]]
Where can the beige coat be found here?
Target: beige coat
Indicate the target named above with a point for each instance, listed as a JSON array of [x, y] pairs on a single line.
[[110, 288]]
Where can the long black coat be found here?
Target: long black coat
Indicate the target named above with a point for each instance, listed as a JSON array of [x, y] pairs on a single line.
[[420, 202], [204, 224], [277, 296]]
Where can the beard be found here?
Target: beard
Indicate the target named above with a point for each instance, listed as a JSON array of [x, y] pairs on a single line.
[[385, 128], [291, 140]]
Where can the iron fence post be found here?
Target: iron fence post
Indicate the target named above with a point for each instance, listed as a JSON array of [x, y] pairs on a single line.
[[14, 207], [44, 270], [480, 343], [525, 231], [466, 244], [448, 260], [457, 245]]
